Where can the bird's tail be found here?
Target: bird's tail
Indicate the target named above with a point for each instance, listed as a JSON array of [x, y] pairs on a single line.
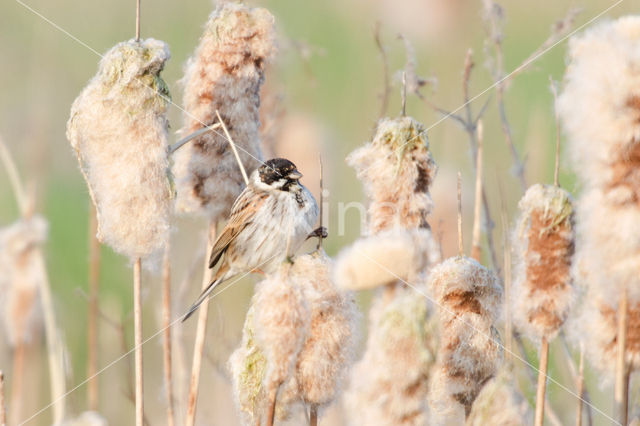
[[202, 298]]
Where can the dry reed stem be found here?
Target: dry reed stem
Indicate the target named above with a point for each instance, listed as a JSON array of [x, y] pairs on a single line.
[[508, 321], [92, 323], [166, 324], [313, 415], [556, 171], [460, 246], [137, 20], [201, 332], [476, 250], [621, 394], [580, 388], [542, 382], [271, 411], [17, 374], [176, 146], [137, 319], [233, 147], [3, 411], [385, 70], [14, 177]]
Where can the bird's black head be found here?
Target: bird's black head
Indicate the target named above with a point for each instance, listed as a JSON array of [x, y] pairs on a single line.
[[279, 173]]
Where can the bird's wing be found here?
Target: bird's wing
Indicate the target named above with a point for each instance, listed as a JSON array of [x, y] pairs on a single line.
[[242, 213]]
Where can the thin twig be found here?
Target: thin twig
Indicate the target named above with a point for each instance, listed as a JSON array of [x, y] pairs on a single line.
[[14, 176], [3, 409], [556, 171], [385, 69], [137, 20], [622, 374], [166, 324], [17, 376], [173, 148], [580, 388], [460, 247], [476, 250], [321, 237], [404, 93], [233, 147], [137, 319], [201, 332], [313, 415], [542, 382], [508, 321], [92, 323]]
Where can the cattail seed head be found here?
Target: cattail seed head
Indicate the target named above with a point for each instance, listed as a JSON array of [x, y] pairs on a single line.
[[384, 258], [21, 277], [543, 244], [224, 74], [500, 403], [397, 170], [468, 296], [118, 128], [389, 385]]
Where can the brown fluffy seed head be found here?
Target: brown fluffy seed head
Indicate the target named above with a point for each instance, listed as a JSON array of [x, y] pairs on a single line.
[[225, 74], [382, 259], [118, 128], [389, 385], [600, 108], [500, 403], [397, 170], [543, 244], [469, 297], [21, 277]]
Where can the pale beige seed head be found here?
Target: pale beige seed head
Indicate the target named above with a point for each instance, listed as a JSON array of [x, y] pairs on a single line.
[[500, 403], [389, 385], [384, 258], [396, 169], [543, 244], [118, 128], [225, 73], [21, 276], [468, 296]]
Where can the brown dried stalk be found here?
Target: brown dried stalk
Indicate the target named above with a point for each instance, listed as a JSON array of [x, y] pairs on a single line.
[[166, 324], [92, 324], [580, 389], [385, 70], [17, 374], [137, 20], [201, 332], [476, 249], [137, 319], [3, 411], [460, 242], [621, 395], [542, 382], [313, 415]]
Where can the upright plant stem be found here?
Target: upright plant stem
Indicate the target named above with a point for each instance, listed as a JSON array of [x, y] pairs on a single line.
[[476, 250], [542, 382], [166, 324], [622, 371], [201, 332], [3, 410], [17, 375], [508, 327], [137, 314], [313, 415], [271, 410], [460, 242], [580, 388], [137, 20], [92, 323]]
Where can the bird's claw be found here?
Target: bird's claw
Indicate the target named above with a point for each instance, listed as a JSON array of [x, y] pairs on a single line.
[[320, 232]]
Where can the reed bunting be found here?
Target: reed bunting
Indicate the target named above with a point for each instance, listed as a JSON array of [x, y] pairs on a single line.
[[269, 221]]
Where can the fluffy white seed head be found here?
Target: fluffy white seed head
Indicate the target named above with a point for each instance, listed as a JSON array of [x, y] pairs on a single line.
[[396, 169], [21, 276], [543, 244], [225, 74], [118, 129], [385, 258], [389, 385], [469, 297], [500, 403], [600, 107]]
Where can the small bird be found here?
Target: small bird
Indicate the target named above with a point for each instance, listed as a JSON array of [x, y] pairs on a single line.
[[269, 221]]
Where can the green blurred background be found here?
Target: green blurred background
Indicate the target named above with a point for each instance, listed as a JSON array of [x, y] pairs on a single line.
[[326, 82]]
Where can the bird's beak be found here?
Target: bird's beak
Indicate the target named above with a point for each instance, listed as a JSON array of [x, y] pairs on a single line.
[[294, 175]]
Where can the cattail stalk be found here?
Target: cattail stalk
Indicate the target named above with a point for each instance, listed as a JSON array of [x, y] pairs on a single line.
[[313, 415], [166, 324], [460, 239], [92, 323], [3, 409], [508, 321], [542, 382], [137, 319], [476, 250], [17, 375], [621, 394], [137, 20], [580, 389], [201, 332]]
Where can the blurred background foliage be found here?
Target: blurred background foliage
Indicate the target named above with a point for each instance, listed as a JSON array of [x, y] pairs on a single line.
[[323, 94]]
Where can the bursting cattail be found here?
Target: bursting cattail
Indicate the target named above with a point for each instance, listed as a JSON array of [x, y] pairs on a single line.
[[500, 404], [21, 277], [543, 244], [389, 384], [118, 128], [384, 258], [224, 74], [600, 107], [397, 170], [468, 296], [298, 338]]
